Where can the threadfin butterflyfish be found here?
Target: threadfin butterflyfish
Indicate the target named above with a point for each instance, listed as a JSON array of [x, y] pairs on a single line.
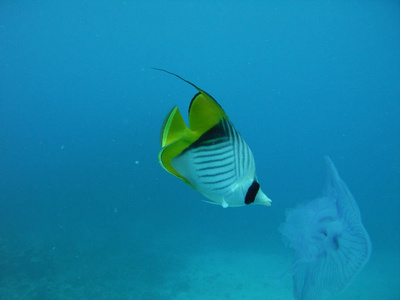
[[210, 155]]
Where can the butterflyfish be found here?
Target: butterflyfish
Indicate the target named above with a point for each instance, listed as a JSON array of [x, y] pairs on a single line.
[[210, 155]]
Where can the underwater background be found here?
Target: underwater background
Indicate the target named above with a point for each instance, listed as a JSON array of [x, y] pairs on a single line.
[[87, 212]]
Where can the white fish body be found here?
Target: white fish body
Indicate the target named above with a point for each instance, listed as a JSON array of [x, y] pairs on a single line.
[[222, 168]]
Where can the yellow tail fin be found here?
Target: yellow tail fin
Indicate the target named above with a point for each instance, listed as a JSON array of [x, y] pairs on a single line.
[[175, 137], [173, 129]]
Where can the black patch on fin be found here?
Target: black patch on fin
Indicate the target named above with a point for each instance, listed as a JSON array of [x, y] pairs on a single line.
[[214, 133], [252, 192]]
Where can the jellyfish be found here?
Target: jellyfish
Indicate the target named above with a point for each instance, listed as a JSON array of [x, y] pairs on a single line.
[[330, 243]]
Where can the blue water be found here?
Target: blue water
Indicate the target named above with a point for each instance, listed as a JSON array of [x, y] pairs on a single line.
[[86, 211]]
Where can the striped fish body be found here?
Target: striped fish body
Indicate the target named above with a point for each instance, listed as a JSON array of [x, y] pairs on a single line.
[[210, 156], [219, 165]]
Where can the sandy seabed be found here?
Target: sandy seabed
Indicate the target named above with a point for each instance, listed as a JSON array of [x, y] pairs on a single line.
[[205, 274]]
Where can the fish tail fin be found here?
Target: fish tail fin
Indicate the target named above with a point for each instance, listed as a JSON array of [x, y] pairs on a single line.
[[174, 128], [175, 137]]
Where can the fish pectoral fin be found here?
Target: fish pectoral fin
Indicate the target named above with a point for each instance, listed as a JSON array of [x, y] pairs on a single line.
[[204, 113], [211, 202], [224, 204]]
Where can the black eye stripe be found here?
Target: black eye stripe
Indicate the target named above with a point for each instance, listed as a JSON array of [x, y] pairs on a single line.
[[252, 192]]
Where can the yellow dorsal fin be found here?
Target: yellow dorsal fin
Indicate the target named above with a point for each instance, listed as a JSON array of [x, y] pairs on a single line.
[[204, 113], [204, 110]]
